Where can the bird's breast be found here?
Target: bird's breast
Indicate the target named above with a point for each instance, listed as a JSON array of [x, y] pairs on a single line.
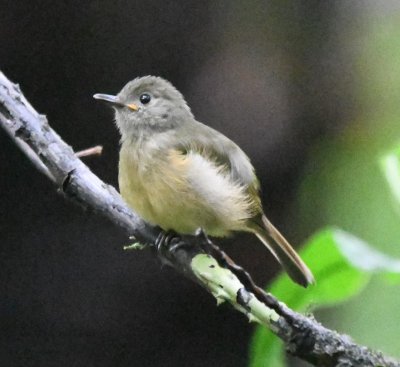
[[181, 192], [134, 166]]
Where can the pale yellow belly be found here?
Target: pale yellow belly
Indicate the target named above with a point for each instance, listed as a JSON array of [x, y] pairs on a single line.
[[160, 191], [159, 202]]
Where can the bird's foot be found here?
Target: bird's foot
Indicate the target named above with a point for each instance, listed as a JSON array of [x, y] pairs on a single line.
[[169, 241], [203, 241], [212, 249]]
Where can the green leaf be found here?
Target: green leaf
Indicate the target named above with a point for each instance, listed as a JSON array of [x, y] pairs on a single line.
[[391, 169], [342, 265], [366, 258]]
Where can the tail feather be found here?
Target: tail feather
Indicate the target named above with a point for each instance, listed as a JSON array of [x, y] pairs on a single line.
[[284, 253]]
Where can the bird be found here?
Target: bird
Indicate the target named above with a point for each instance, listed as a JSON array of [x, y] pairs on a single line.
[[182, 175]]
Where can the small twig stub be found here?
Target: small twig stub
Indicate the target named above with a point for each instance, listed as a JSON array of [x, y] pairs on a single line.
[[97, 150]]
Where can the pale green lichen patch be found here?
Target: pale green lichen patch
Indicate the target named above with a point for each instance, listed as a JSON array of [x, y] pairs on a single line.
[[224, 286], [134, 246]]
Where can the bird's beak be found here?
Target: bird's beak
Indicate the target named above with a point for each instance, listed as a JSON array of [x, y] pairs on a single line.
[[109, 99], [114, 101]]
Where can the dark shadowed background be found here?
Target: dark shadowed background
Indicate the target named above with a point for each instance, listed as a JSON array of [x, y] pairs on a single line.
[[277, 80]]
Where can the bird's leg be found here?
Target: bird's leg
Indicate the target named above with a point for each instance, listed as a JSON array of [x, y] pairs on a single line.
[[225, 261], [203, 241]]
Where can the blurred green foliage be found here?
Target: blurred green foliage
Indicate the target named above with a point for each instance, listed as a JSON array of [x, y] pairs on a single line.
[[341, 272], [391, 169], [344, 186]]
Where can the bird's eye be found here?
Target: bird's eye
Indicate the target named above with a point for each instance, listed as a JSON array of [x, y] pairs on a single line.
[[145, 98]]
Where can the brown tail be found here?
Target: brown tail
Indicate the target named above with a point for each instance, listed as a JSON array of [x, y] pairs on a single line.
[[283, 252]]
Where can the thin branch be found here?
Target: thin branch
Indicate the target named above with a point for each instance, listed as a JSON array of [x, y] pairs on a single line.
[[303, 336], [97, 150]]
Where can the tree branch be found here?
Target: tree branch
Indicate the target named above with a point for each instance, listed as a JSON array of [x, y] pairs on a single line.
[[216, 272]]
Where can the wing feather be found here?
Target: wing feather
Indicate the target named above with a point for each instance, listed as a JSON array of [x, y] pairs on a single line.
[[216, 146]]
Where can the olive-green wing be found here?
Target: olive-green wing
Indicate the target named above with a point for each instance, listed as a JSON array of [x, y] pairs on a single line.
[[216, 146]]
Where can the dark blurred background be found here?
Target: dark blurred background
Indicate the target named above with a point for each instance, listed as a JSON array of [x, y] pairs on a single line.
[[301, 87]]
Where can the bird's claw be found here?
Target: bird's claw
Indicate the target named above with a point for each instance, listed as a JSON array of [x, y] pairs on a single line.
[[169, 241]]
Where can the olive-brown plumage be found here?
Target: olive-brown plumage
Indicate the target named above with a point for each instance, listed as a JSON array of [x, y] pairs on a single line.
[[182, 175]]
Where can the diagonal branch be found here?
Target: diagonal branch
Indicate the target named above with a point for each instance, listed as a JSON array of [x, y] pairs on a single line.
[[216, 272]]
